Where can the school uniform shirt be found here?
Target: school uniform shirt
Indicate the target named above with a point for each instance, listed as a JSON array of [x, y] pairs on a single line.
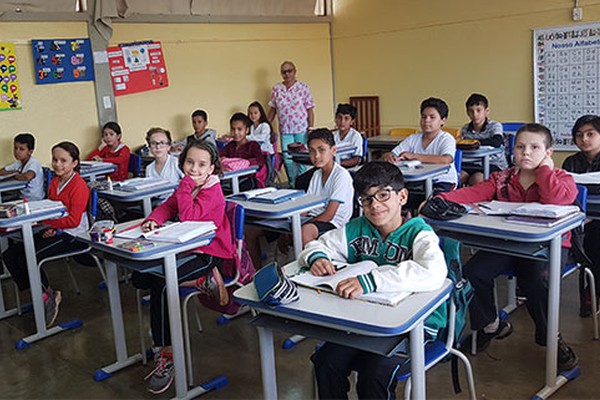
[[409, 259], [262, 135], [551, 186], [119, 157], [338, 188], [210, 135], [74, 194], [352, 138], [491, 134], [443, 144], [35, 187], [579, 164], [208, 204], [170, 172], [292, 107]]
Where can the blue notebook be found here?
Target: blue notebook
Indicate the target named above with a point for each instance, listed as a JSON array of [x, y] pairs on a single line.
[[278, 196]]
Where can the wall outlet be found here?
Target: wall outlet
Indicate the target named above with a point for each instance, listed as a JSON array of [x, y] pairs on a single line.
[[577, 14]]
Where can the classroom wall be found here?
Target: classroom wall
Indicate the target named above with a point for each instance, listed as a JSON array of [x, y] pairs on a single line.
[[219, 67], [405, 51]]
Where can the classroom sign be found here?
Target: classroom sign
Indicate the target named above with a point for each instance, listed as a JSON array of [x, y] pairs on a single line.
[[62, 60], [566, 78], [137, 67], [10, 95]]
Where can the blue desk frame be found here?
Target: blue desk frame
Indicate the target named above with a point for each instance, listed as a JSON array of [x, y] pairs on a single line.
[[10, 185], [425, 173], [236, 175], [97, 171]]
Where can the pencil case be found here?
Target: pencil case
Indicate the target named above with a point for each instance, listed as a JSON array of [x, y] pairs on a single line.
[[467, 144], [273, 287]]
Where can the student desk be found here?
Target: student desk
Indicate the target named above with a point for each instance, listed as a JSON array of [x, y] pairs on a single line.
[[144, 195], [158, 259], [424, 173], [382, 143], [11, 185], [24, 223], [492, 233], [92, 171], [293, 209], [236, 175], [482, 154], [359, 324]]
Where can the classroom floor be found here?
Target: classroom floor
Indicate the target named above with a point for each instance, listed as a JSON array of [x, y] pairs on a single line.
[[62, 366]]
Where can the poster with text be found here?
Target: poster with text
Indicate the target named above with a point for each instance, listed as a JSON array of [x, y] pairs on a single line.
[[137, 67], [62, 60], [566, 78], [10, 94]]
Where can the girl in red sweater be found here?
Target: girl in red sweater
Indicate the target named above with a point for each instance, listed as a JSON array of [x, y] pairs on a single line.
[[70, 189], [112, 150], [199, 197]]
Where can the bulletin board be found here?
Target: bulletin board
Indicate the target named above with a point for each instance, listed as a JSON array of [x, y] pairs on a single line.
[[566, 78], [62, 60], [10, 94], [137, 67]]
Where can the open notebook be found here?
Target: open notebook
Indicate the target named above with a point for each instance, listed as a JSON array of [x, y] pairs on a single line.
[[329, 283], [176, 232], [269, 195]]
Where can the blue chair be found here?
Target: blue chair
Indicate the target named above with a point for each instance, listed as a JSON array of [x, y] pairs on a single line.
[[135, 165], [458, 165], [48, 174], [365, 157], [510, 129]]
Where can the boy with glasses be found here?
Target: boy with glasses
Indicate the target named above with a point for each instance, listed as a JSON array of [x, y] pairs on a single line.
[[409, 258]]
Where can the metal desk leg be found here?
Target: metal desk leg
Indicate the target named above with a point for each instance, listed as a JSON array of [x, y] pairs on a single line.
[[235, 184], [267, 363], [116, 314], [92, 178], [428, 187], [486, 166], [297, 234], [553, 383], [417, 361], [147, 204]]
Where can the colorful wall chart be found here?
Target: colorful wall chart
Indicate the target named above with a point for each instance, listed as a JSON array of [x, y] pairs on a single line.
[[566, 78], [62, 60], [10, 94], [137, 67]]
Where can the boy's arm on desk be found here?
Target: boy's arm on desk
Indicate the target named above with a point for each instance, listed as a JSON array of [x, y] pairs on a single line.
[[332, 245]]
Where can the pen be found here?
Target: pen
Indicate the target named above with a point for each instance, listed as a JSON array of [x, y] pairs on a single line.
[[482, 205], [340, 267]]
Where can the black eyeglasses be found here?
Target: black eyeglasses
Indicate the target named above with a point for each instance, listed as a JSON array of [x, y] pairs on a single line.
[[381, 196], [286, 71], [158, 144]]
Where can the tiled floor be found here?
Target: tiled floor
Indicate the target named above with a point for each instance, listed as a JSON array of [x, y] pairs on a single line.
[[62, 366]]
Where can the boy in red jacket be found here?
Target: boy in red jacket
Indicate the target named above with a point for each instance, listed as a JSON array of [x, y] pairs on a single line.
[[532, 179]]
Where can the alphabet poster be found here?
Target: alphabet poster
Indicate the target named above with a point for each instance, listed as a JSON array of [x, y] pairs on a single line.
[[62, 60], [10, 95], [566, 78], [137, 67]]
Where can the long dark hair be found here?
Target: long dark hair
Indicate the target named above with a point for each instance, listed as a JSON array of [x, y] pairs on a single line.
[[206, 146], [73, 151]]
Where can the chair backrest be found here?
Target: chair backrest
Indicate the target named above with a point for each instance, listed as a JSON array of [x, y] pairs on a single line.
[[47, 178], [367, 114], [458, 165], [453, 131], [135, 164], [582, 195], [244, 267], [365, 149], [511, 127], [402, 131], [93, 205]]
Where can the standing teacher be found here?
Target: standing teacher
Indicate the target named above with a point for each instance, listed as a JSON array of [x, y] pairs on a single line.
[[293, 104]]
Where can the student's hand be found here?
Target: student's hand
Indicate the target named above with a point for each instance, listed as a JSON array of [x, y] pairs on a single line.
[[322, 266], [149, 225], [349, 288], [199, 180], [96, 158], [102, 144], [48, 233], [389, 157], [547, 161], [409, 156]]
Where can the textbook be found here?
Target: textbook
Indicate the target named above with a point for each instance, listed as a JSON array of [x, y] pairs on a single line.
[[247, 195], [328, 283], [534, 221], [278, 196], [135, 184], [544, 210], [176, 232], [92, 164]]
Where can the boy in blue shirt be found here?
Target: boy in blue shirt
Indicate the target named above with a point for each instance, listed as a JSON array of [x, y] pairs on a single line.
[[409, 259], [487, 132], [26, 168]]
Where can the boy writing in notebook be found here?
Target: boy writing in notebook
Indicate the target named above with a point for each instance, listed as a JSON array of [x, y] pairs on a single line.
[[532, 179], [409, 259], [431, 145], [26, 167], [487, 132]]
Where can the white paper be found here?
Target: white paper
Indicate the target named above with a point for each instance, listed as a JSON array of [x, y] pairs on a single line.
[[100, 57]]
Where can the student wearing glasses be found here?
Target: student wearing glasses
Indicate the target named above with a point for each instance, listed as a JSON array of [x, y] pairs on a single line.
[[165, 165], [409, 259]]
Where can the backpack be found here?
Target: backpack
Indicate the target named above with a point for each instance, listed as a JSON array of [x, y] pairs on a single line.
[[462, 294]]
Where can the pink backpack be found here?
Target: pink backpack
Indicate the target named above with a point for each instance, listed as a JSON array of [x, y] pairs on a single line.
[[234, 163]]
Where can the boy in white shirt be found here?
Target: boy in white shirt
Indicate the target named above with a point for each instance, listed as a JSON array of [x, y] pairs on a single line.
[[26, 167], [346, 135]]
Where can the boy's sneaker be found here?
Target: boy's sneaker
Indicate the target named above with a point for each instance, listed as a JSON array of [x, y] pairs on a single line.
[[567, 359], [163, 375], [52, 300], [213, 286], [483, 338]]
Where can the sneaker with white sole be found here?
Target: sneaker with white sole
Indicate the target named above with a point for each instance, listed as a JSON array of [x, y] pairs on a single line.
[[213, 286], [161, 377], [483, 338], [52, 299]]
